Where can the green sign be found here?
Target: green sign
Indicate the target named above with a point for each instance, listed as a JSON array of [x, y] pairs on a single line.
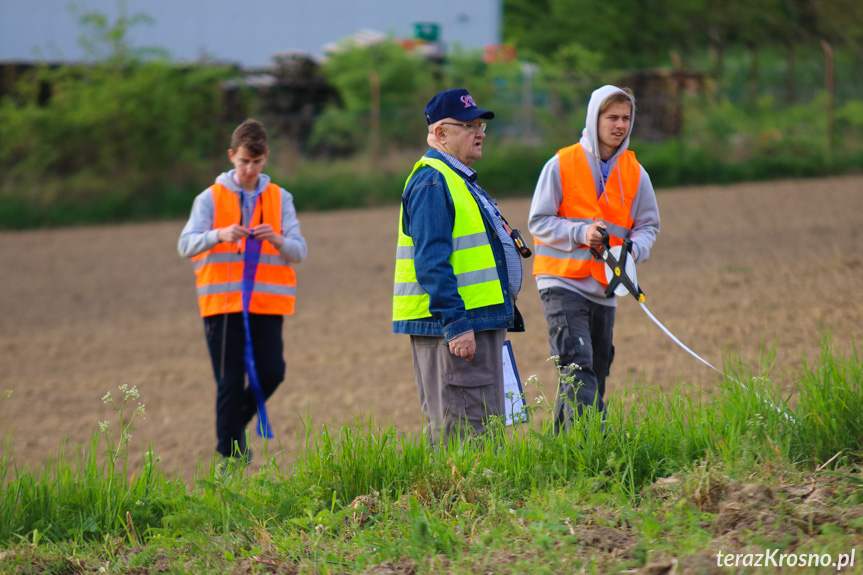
[[429, 31]]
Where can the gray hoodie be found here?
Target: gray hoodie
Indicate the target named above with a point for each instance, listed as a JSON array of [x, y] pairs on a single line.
[[549, 228], [199, 236]]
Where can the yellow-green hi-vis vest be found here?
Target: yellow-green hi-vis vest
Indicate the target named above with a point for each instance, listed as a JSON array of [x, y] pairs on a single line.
[[472, 259]]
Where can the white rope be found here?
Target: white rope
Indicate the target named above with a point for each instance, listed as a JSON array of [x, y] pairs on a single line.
[[674, 339], [708, 364]]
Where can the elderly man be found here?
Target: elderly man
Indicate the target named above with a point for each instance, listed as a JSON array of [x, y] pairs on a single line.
[[457, 275]]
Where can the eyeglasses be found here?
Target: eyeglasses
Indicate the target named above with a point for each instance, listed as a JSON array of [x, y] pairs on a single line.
[[473, 127]]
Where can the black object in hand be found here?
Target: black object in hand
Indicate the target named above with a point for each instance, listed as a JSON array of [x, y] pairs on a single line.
[[520, 244]]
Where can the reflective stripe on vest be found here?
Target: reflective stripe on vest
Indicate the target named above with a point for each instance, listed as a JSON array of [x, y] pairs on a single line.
[[275, 280], [472, 258], [580, 204]]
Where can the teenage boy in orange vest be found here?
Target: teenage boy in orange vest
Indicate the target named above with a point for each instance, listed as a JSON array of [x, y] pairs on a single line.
[[596, 183], [244, 230]]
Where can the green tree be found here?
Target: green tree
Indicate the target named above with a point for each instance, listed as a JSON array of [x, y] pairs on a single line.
[[627, 33], [123, 131], [381, 79], [107, 41], [841, 22], [632, 34]]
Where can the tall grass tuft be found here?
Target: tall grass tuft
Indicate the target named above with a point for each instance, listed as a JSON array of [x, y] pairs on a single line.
[[361, 493], [82, 496], [829, 407]]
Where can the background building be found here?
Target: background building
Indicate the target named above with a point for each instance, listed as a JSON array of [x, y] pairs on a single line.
[[248, 33]]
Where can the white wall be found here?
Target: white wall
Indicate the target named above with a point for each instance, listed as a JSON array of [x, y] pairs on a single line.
[[244, 31]]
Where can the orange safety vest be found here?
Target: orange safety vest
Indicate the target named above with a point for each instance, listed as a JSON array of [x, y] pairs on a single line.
[[219, 270], [580, 204]]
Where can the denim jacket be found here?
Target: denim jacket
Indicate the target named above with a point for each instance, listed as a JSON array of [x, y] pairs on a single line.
[[428, 218]]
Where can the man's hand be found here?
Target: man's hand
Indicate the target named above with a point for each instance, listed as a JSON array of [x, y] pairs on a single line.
[[463, 346], [592, 236], [233, 233], [266, 232]]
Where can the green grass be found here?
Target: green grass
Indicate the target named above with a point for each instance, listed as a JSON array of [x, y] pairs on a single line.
[[670, 476]]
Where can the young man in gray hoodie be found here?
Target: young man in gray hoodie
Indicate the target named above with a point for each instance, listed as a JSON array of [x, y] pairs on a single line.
[[596, 183], [243, 236]]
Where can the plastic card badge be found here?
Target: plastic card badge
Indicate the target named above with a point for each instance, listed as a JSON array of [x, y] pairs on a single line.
[[516, 406]]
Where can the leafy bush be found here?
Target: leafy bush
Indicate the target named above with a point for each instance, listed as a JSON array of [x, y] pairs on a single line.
[[115, 139], [511, 168], [725, 143], [400, 78], [132, 139], [113, 134]]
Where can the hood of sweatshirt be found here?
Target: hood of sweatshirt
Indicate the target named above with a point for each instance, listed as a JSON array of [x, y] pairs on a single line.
[[229, 180], [590, 137]]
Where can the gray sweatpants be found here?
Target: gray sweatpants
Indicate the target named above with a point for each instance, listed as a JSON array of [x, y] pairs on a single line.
[[456, 395], [580, 332]]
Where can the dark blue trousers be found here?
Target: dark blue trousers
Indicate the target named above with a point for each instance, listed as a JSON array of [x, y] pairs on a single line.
[[235, 403], [579, 332]]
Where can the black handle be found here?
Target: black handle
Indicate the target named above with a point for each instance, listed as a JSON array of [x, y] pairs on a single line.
[[604, 235], [597, 253]]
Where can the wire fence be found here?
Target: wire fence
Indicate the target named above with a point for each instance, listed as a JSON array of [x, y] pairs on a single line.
[[534, 107]]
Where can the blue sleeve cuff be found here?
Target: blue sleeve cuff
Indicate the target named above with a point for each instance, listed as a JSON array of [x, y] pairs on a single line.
[[457, 328]]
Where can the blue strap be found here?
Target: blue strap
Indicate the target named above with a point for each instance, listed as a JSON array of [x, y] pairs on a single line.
[[603, 168], [251, 259]]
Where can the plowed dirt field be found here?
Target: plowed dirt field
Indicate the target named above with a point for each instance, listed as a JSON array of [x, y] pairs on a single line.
[[735, 271]]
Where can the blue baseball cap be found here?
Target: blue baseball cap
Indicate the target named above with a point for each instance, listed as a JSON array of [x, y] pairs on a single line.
[[456, 103]]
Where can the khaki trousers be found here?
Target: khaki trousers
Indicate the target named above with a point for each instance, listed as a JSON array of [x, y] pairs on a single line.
[[459, 396]]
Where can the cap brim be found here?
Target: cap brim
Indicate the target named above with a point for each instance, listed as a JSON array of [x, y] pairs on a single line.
[[474, 113]]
